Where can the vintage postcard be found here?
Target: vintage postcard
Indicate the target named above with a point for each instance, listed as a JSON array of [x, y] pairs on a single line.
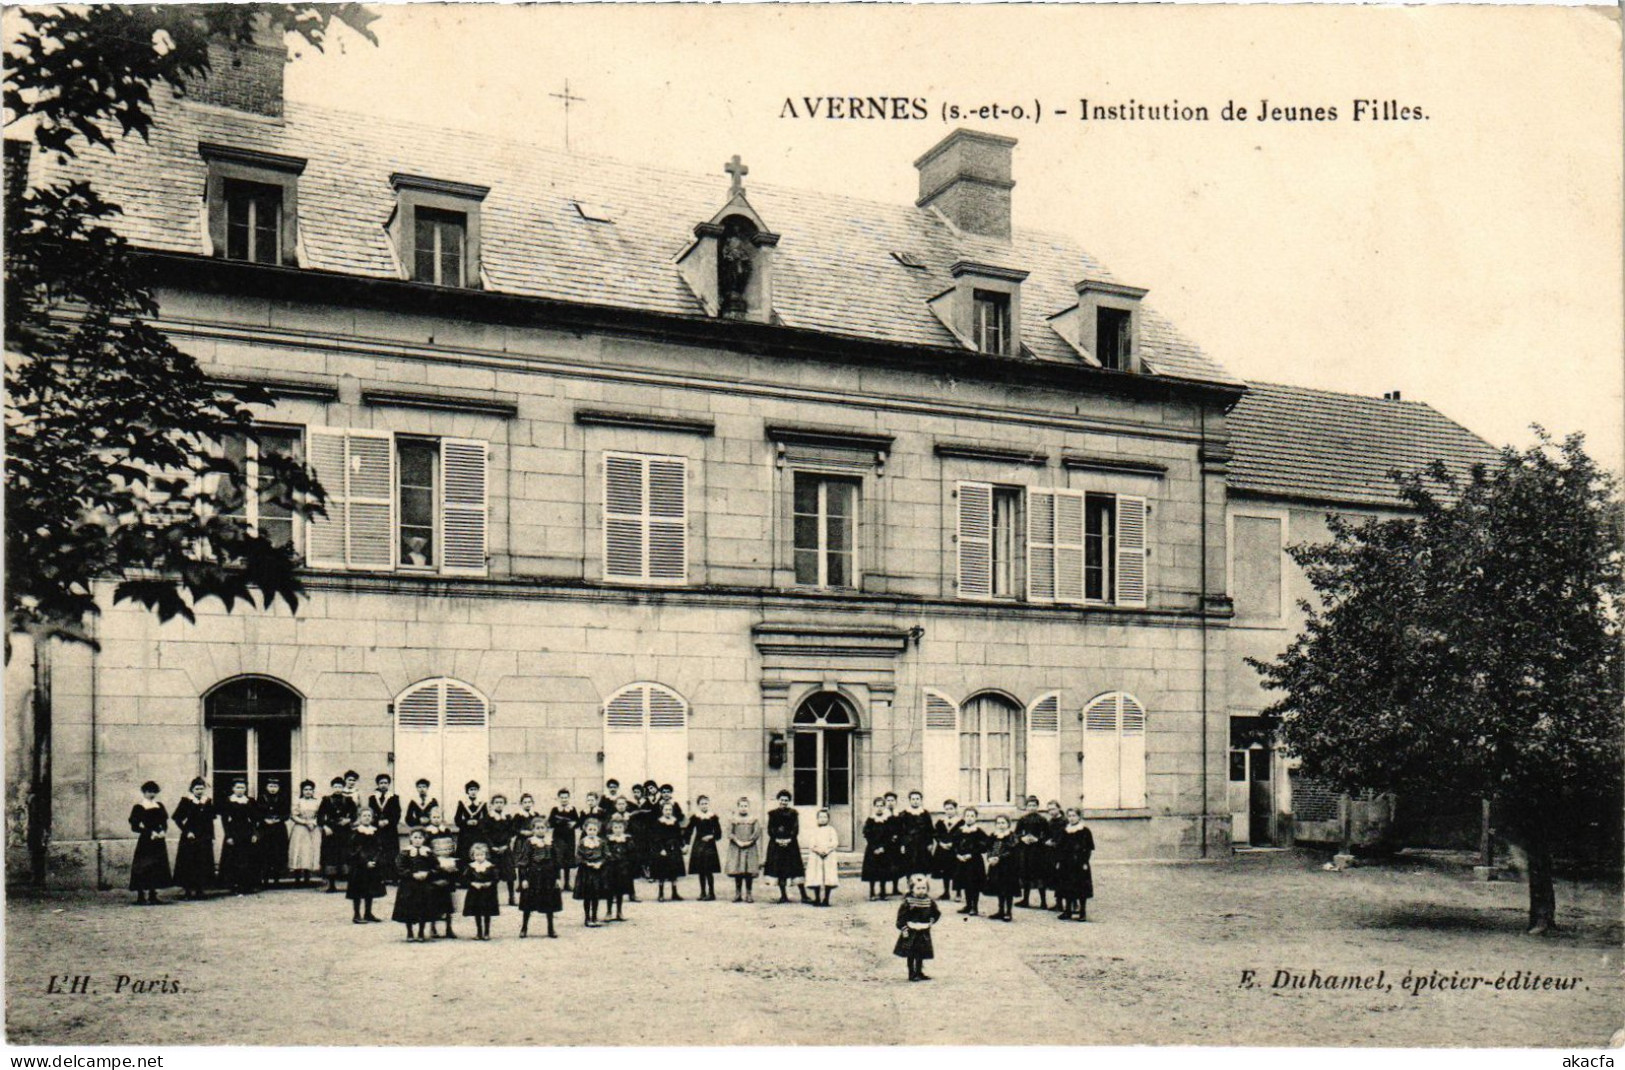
[[696, 525]]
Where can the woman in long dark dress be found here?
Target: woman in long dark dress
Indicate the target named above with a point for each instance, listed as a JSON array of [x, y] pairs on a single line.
[[419, 809], [536, 860], [666, 850], [240, 826], [497, 831], [414, 900], [1032, 829], [563, 819], [469, 819], [914, 832], [591, 880], [149, 869], [1004, 874], [194, 854], [481, 876], [877, 865], [364, 859], [783, 862], [704, 833], [970, 869], [336, 816], [942, 849], [915, 916], [1052, 850], [1075, 877], [273, 833]]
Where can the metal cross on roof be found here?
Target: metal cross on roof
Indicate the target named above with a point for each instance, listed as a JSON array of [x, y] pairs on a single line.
[[568, 100], [738, 171]]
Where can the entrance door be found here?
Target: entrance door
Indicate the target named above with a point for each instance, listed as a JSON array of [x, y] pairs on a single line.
[[821, 757], [1259, 796]]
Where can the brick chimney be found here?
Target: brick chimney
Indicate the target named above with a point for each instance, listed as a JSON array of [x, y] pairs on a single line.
[[967, 178], [245, 76]]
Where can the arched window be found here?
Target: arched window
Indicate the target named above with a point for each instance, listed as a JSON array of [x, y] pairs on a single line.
[[992, 750], [252, 722], [646, 737], [1114, 752], [442, 734]]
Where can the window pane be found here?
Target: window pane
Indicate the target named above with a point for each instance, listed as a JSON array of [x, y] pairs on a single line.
[[1099, 545], [806, 495], [839, 534], [806, 533], [233, 502], [423, 264], [418, 461], [839, 569], [840, 497], [804, 787], [807, 568], [805, 747], [230, 749], [1238, 766]]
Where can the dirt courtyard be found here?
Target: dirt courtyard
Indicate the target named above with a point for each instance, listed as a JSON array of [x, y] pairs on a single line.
[[1163, 960]]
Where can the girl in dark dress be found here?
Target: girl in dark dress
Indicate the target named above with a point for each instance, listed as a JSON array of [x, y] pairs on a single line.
[[194, 855], [414, 901], [419, 808], [536, 859], [336, 816], [876, 851], [621, 807], [783, 861], [619, 867], [481, 876], [638, 816], [970, 844], [273, 844], [1003, 868], [915, 916], [591, 881], [704, 832], [239, 824], [149, 869], [915, 832], [498, 832], [894, 843], [364, 860], [469, 819], [563, 819], [1032, 829], [386, 818], [942, 849], [1075, 881], [666, 846], [442, 840], [1052, 850]]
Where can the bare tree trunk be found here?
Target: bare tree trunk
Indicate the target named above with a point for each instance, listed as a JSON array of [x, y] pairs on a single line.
[[1542, 895], [39, 780]]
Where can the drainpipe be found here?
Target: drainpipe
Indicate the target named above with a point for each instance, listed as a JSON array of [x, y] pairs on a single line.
[[1201, 610]]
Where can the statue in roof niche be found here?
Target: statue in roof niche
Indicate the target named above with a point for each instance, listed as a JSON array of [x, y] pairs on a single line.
[[734, 264]]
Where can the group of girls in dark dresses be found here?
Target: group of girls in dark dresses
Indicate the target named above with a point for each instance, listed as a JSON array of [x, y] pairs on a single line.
[[1044, 853]]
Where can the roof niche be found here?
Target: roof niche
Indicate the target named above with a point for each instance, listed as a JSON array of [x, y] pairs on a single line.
[[729, 265]]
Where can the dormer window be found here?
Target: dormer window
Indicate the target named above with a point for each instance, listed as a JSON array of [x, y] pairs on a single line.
[[991, 322], [441, 242], [1114, 339], [251, 204], [253, 222], [436, 229]]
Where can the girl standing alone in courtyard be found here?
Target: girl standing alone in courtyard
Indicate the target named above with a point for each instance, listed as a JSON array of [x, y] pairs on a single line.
[[822, 875], [744, 833], [482, 877], [915, 916], [704, 830], [149, 869]]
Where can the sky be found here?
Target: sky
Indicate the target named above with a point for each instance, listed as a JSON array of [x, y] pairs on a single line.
[[1470, 259]]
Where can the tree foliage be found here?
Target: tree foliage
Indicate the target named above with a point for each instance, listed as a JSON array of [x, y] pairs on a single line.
[[113, 465], [1470, 648]]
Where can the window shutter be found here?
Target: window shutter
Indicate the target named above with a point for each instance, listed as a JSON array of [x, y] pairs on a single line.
[[1132, 552], [467, 749], [417, 737], [1044, 748], [623, 517], [668, 740], [975, 540], [370, 462], [668, 519], [1101, 755], [463, 508], [1131, 744], [1068, 546], [325, 535], [625, 748], [1041, 546], [940, 749]]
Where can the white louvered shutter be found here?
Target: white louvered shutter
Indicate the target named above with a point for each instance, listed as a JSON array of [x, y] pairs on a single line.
[[417, 738], [466, 739], [667, 739], [1068, 546], [370, 463], [975, 540], [1132, 550], [1044, 748], [625, 746], [1040, 546], [325, 546], [623, 517], [1102, 761], [1131, 754], [940, 747], [668, 520], [463, 507]]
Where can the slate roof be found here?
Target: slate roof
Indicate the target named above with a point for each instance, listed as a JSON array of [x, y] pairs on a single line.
[[1294, 442], [834, 272]]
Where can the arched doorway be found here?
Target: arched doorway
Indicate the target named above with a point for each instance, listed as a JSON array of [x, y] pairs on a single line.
[[822, 745], [252, 722]]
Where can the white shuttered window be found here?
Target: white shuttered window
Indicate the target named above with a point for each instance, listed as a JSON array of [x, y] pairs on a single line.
[[442, 734], [646, 737], [1086, 548], [941, 749], [645, 518], [1114, 753]]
